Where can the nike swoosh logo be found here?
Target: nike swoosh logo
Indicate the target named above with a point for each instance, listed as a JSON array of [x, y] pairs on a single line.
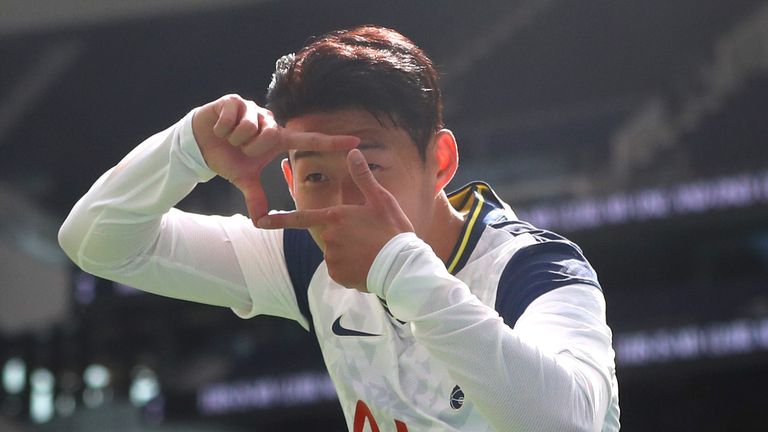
[[338, 330]]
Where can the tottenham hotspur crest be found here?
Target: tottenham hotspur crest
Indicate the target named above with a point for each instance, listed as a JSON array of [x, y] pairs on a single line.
[[457, 398]]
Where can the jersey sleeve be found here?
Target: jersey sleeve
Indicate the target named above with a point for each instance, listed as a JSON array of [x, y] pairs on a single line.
[[537, 269], [126, 229], [552, 371]]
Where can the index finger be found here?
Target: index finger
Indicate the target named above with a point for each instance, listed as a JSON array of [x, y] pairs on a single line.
[[315, 141], [362, 175], [294, 219]]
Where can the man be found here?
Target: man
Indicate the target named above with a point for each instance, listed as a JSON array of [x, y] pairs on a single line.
[[433, 311]]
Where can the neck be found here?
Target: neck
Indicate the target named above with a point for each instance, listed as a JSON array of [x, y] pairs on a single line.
[[445, 230]]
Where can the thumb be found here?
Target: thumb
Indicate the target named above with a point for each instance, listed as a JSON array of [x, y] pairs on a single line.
[[362, 175], [255, 201]]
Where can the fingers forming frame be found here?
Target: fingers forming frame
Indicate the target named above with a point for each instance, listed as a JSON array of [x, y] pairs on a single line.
[[252, 128], [296, 219], [241, 122], [363, 177], [314, 141]]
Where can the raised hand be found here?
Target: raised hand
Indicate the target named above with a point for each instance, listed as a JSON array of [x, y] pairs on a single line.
[[238, 138], [353, 234]]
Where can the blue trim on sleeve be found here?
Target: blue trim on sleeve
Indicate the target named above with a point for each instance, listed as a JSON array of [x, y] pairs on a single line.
[[550, 263], [302, 257]]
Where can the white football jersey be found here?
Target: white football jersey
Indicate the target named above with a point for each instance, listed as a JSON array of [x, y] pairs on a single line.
[[509, 335], [384, 377]]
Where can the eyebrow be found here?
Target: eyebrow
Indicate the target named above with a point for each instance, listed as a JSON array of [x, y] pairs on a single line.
[[365, 145]]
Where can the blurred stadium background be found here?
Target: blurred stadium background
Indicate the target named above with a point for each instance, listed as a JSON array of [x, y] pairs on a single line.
[[637, 128]]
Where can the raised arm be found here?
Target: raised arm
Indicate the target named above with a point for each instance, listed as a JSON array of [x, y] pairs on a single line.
[[125, 228]]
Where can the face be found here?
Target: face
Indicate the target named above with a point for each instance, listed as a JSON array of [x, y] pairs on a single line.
[[322, 179]]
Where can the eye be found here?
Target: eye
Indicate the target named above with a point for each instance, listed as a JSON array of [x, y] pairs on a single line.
[[373, 166], [315, 178]]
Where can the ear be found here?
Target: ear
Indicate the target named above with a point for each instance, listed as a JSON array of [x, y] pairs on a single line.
[[287, 174], [446, 158]]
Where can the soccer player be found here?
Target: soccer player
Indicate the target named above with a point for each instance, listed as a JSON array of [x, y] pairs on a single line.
[[433, 311]]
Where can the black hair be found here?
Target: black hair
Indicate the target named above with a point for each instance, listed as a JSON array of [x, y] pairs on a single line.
[[368, 67]]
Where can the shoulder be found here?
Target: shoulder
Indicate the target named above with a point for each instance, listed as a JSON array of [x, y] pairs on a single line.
[[538, 262], [292, 251]]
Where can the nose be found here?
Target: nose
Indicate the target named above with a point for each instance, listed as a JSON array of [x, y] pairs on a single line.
[[350, 193]]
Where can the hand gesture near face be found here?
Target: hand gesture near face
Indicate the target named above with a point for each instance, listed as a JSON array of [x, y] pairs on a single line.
[[238, 138], [353, 234]]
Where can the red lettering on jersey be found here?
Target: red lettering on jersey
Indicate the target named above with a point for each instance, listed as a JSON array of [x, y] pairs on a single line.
[[363, 413], [401, 427]]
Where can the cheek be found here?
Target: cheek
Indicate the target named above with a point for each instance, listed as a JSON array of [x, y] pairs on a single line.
[[306, 199], [416, 204]]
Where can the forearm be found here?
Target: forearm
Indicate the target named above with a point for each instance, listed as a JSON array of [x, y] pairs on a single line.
[[121, 214], [517, 382], [125, 229]]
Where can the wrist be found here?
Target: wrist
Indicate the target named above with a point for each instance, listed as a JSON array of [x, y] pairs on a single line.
[[190, 148], [390, 261]]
